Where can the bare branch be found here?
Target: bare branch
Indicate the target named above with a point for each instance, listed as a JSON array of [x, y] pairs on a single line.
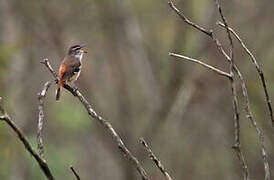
[[254, 124], [43, 165], [237, 144], [259, 70], [155, 159], [244, 91], [227, 30], [216, 70], [203, 30], [41, 97], [75, 173], [247, 109], [219, 46], [186, 20], [104, 123]]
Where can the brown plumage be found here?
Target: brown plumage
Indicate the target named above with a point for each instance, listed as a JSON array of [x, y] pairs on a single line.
[[70, 67]]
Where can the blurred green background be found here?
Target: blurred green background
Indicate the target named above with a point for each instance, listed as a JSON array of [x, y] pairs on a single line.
[[183, 110]]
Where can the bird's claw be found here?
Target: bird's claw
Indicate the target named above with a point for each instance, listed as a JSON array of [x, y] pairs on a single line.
[[75, 89]]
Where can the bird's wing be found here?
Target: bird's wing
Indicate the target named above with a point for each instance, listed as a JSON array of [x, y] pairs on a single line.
[[71, 70]]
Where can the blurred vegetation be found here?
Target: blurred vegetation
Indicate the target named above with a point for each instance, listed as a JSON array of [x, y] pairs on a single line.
[[182, 110]]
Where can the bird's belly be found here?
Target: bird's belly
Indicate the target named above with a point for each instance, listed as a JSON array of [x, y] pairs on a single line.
[[74, 77]]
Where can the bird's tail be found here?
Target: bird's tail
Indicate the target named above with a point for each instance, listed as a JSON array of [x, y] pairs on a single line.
[[58, 91]]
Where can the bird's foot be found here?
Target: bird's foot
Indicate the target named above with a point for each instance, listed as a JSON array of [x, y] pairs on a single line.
[[75, 89]]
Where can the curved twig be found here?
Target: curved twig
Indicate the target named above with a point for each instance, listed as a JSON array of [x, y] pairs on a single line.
[[216, 70], [237, 144]]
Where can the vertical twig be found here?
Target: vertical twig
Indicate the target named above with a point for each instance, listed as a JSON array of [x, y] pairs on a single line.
[[235, 102], [249, 114], [237, 144], [41, 97], [254, 124], [155, 159]]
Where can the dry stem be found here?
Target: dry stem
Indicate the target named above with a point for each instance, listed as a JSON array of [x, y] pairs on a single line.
[[258, 68], [233, 67], [155, 159], [43, 165], [41, 97]]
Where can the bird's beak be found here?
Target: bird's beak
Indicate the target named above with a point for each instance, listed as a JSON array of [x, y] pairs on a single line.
[[83, 51]]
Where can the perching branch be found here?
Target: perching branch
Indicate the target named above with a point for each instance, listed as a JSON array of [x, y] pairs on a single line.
[[259, 70], [216, 70], [41, 97], [75, 173], [108, 127], [67, 87], [155, 159], [43, 165]]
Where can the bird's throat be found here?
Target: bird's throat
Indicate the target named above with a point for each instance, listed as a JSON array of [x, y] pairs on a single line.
[[79, 57]]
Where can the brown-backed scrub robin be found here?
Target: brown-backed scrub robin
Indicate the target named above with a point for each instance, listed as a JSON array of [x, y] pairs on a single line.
[[70, 67]]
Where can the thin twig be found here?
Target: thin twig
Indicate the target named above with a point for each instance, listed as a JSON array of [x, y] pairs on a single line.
[[103, 122], [155, 159], [254, 124], [43, 165], [218, 71], [201, 29], [233, 88], [237, 144], [41, 97], [75, 173], [259, 70], [227, 30], [46, 63], [186, 20], [247, 109], [244, 90]]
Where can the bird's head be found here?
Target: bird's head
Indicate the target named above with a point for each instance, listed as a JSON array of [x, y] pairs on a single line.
[[76, 50]]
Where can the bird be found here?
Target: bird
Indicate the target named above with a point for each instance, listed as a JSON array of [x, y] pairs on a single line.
[[70, 67]]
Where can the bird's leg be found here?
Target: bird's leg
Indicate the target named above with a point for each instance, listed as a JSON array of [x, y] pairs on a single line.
[[74, 87]]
